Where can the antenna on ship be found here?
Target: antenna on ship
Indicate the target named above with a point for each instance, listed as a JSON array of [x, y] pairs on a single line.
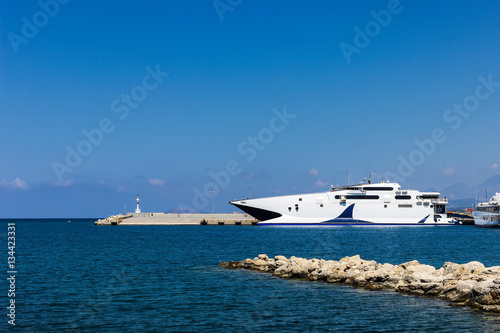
[[369, 179]]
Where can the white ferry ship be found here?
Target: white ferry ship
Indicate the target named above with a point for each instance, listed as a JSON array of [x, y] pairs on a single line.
[[487, 214], [364, 204]]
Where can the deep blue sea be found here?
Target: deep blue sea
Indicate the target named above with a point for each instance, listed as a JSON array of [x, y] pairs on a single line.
[[77, 277]]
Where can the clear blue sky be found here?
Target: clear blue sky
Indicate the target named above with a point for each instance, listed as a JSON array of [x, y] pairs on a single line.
[[355, 101]]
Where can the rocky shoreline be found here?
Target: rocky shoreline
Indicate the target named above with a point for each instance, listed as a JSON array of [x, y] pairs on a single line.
[[470, 284]]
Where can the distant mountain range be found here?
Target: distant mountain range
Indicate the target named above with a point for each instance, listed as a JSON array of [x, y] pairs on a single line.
[[462, 196], [180, 210]]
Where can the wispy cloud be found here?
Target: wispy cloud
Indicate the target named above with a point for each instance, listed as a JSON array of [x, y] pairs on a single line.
[[156, 182], [249, 175], [320, 183], [65, 183], [313, 172], [16, 184], [494, 166], [448, 172]]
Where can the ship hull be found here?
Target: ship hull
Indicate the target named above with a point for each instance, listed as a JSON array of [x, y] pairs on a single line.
[[486, 219]]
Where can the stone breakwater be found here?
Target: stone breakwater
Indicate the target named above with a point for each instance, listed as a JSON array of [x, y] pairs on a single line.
[[113, 219], [470, 284]]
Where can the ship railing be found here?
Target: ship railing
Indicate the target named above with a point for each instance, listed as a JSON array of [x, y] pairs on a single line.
[[243, 199]]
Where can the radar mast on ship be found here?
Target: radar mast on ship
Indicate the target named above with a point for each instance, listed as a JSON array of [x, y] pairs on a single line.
[[369, 179]]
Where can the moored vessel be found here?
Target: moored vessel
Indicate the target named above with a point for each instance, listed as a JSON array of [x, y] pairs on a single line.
[[487, 214], [367, 203]]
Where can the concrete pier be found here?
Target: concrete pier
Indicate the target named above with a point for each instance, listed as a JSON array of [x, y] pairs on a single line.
[[178, 219]]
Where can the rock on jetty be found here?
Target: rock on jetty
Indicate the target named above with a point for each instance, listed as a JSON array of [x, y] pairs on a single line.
[[469, 284], [112, 220]]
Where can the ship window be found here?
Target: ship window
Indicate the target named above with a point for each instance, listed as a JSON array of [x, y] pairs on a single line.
[[346, 188], [385, 206], [403, 197], [372, 197], [300, 199], [378, 188], [289, 209], [296, 208], [321, 205], [404, 206]]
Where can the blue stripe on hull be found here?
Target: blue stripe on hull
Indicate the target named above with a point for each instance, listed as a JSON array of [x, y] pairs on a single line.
[[346, 221], [347, 213], [354, 223]]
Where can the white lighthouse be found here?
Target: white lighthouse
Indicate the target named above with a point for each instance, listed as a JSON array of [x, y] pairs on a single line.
[[137, 210]]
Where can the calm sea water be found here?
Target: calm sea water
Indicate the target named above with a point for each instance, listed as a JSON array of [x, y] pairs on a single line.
[[80, 277]]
